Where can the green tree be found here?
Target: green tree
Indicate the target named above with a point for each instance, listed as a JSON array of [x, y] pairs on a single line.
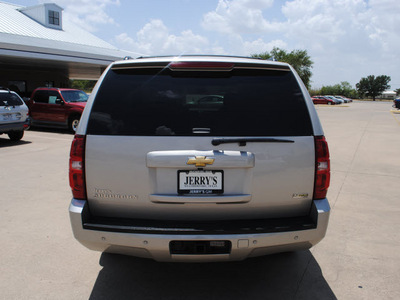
[[298, 59], [343, 89], [84, 85], [397, 92], [372, 86], [314, 92]]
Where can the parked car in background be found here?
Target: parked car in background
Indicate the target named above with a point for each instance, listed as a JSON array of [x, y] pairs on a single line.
[[396, 103], [57, 107], [345, 99], [209, 102], [338, 101], [155, 173], [14, 115], [323, 100]]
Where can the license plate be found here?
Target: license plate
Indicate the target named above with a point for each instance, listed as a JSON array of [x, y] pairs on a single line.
[[7, 117], [200, 182], [11, 117]]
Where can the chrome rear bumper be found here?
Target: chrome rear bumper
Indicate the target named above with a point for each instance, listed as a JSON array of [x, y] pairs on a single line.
[[200, 241]]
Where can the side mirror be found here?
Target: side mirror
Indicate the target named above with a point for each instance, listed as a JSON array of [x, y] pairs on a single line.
[[59, 101]]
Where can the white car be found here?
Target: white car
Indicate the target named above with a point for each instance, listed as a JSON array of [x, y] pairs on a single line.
[[346, 100], [14, 115], [156, 175]]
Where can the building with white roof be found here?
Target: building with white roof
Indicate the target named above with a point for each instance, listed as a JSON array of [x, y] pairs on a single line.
[[39, 48], [388, 95]]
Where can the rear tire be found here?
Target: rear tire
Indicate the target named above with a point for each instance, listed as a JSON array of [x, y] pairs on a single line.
[[16, 135], [329, 103], [73, 123]]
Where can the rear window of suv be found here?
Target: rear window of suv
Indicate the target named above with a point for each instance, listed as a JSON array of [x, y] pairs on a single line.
[[241, 102], [9, 99]]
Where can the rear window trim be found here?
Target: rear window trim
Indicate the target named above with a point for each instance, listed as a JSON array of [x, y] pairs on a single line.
[[250, 66]]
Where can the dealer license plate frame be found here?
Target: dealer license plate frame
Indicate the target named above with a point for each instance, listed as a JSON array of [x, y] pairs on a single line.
[[199, 189]]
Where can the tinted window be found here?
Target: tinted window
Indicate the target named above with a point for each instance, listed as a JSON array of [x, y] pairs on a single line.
[[74, 96], [9, 99], [239, 103], [41, 96]]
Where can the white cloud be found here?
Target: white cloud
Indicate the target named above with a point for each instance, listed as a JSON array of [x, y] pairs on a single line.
[[239, 16], [385, 22], [187, 42], [337, 34], [88, 14], [324, 20], [154, 39], [258, 46], [347, 39]]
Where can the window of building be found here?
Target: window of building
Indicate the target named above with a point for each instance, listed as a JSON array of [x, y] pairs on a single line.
[[18, 86], [54, 17], [49, 84]]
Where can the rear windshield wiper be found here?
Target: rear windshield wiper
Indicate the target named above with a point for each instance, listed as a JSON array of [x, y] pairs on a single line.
[[243, 141]]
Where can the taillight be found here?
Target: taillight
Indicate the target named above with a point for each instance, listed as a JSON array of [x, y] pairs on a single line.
[[77, 167], [322, 168], [26, 126]]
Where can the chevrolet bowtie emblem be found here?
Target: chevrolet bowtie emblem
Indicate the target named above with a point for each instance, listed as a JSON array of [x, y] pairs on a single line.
[[200, 161]]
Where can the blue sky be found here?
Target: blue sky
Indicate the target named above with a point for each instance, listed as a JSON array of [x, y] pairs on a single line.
[[346, 39]]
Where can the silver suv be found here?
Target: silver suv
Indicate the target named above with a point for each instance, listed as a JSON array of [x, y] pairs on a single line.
[[199, 158], [14, 115]]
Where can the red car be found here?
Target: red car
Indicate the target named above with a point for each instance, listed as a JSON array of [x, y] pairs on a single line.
[[57, 107], [323, 100]]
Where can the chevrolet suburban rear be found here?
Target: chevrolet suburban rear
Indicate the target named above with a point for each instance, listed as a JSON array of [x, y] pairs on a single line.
[[199, 158]]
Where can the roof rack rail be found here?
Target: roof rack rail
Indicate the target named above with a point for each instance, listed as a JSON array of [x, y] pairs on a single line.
[[5, 89]]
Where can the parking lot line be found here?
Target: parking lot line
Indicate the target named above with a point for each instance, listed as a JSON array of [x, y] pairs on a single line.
[[394, 112]]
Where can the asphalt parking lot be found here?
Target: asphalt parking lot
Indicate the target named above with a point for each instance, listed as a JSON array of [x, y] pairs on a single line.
[[358, 259]]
